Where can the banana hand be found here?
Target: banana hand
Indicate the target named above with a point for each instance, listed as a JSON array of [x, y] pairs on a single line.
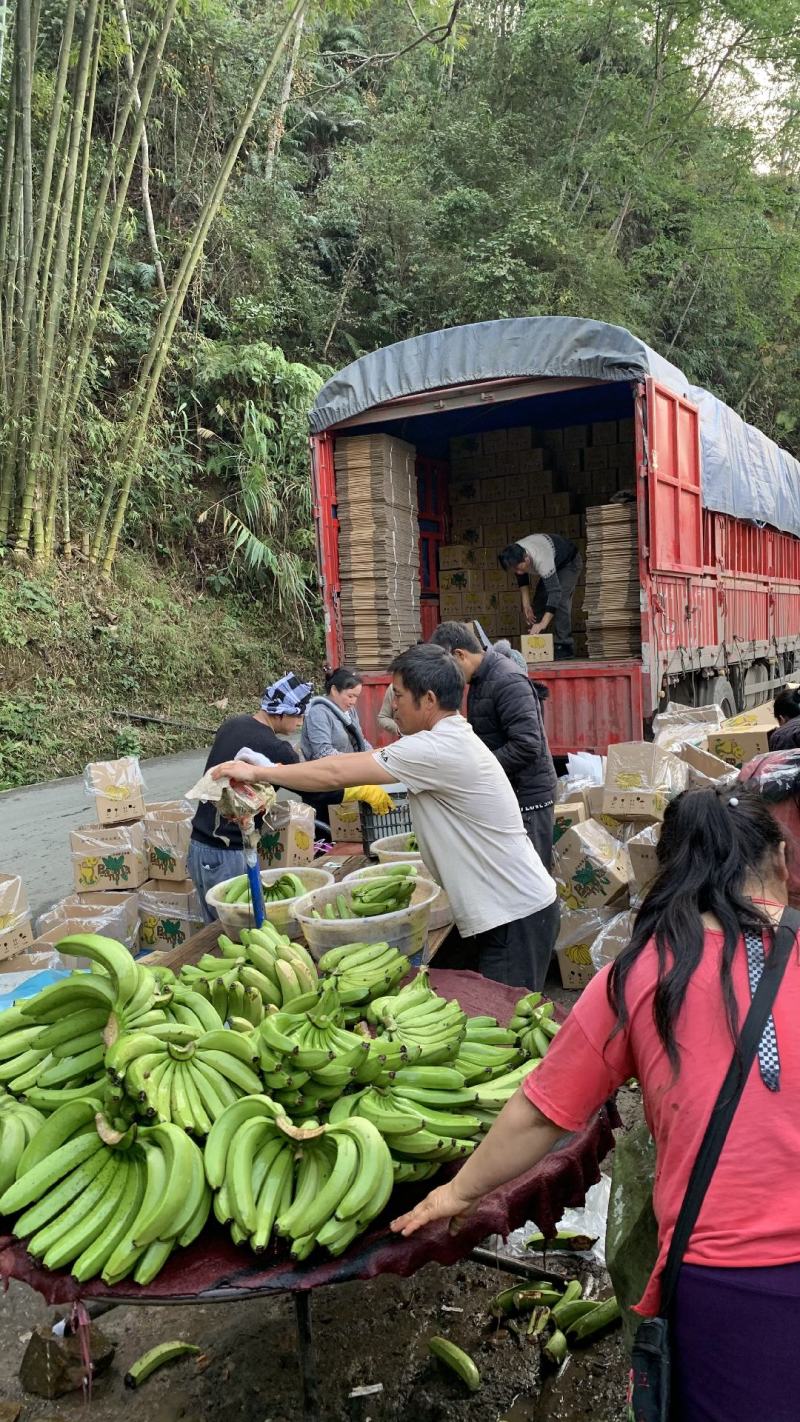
[[371, 795]]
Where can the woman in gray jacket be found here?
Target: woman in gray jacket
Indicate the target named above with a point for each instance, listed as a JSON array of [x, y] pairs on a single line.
[[331, 727]]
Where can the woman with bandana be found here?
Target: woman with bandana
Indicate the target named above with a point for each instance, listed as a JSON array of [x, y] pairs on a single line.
[[215, 851]]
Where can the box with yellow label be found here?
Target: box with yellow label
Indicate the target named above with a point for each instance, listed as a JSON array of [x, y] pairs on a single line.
[[641, 779], [108, 856], [567, 813], [592, 868], [345, 823], [743, 737], [461, 580], [536, 648], [577, 933], [643, 850], [288, 839], [118, 789]]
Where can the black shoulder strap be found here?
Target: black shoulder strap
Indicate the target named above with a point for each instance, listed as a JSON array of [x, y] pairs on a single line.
[[727, 1101]]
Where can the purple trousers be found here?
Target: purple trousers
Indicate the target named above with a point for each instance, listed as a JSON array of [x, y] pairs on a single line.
[[736, 1345]]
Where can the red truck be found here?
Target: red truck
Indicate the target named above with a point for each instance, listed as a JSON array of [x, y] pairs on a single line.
[[718, 509]]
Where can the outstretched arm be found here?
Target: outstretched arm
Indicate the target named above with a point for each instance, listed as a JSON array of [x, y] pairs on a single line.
[[334, 772], [520, 1137]]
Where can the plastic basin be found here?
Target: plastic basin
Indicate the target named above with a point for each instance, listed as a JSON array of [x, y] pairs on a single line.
[[393, 848], [407, 929], [233, 917], [441, 912]]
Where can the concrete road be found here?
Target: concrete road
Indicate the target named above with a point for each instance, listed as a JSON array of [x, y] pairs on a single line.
[[35, 823]]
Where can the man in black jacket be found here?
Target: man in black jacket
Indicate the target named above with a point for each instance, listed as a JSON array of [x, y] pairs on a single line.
[[503, 710]]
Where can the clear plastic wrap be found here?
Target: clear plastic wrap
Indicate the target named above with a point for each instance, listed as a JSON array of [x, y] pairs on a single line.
[[61, 925], [117, 788], [706, 770], [641, 779], [643, 852], [113, 917], [677, 726], [744, 736], [613, 937], [108, 856], [583, 771], [13, 900], [239, 802], [167, 832]]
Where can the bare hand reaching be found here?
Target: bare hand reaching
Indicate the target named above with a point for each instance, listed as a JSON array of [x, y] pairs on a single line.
[[240, 770], [446, 1202]]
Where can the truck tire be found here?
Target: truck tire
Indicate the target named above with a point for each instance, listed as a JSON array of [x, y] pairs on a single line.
[[753, 683], [717, 691]]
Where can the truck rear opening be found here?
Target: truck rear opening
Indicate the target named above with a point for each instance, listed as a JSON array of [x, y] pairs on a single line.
[[716, 614]]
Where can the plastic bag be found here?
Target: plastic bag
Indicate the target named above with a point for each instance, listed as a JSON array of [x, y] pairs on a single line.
[[591, 867], [612, 939], [589, 1219], [13, 901], [677, 726], [117, 787], [114, 917], [583, 771], [241, 803], [641, 779]]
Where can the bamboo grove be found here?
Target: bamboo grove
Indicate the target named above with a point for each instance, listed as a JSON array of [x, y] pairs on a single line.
[[65, 187]]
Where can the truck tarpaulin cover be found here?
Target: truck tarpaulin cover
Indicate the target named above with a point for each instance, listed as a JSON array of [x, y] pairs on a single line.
[[744, 473], [558, 1183]]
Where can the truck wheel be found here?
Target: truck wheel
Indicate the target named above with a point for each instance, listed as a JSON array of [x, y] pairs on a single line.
[[717, 691], [753, 685]]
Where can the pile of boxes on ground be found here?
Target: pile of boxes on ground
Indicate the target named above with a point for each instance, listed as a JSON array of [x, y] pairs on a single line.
[[505, 484], [130, 872], [606, 836]]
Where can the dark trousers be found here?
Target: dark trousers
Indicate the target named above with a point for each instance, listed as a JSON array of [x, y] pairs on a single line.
[[519, 953], [562, 618], [539, 827]]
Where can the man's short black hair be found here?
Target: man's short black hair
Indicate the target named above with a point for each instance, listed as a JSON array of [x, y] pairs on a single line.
[[455, 637], [429, 668], [512, 556]]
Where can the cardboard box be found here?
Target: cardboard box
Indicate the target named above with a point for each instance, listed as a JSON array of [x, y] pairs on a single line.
[[643, 851], [451, 606], [704, 769], [508, 511], [538, 648], [596, 458], [576, 935], [551, 439], [641, 779], [108, 856], [461, 580], [100, 900], [593, 799], [605, 432], [16, 936], [493, 488], [465, 444], [345, 823], [520, 438], [476, 603], [592, 868], [167, 835], [495, 537], [118, 789], [289, 837], [463, 491], [169, 913], [72, 922], [532, 461], [576, 436], [612, 939], [493, 441], [13, 901], [625, 431], [456, 555], [742, 737], [567, 813], [557, 506], [467, 530], [495, 579]]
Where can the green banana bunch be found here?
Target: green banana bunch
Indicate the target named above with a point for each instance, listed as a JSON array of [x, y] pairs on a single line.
[[265, 970], [19, 1123], [183, 1075], [419, 1018], [368, 898], [288, 886], [362, 971], [534, 1023]]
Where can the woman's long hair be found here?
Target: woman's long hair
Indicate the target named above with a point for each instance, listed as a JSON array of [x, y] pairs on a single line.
[[711, 841]]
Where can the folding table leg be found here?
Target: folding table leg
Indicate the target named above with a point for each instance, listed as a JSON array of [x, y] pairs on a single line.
[[307, 1356]]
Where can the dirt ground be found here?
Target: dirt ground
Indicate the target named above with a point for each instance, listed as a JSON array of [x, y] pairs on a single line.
[[368, 1333]]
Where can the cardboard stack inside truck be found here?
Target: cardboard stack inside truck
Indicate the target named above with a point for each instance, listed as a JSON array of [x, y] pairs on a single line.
[[504, 484]]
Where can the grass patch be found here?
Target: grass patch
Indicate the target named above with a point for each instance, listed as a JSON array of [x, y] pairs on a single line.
[[76, 655]]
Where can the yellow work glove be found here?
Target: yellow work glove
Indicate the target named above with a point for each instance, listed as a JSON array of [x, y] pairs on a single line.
[[371, 795]]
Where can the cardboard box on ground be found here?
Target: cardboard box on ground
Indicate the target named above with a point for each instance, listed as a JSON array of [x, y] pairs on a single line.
[[117, 787], [169, 913], [16, 932], [109, 856], [288, 838]]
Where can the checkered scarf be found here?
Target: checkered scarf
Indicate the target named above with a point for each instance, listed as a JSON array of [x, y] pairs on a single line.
[[769, 1062], [287, 697]]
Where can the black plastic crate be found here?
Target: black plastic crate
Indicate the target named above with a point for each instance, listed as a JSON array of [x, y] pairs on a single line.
[[397, 821]]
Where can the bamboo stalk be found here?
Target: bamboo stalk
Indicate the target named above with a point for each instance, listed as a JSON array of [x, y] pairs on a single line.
[[145, 151], [147, 385], [43, 383]]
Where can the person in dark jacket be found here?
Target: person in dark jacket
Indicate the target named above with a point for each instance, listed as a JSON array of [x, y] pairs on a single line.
[[787, 715], [504, 711]]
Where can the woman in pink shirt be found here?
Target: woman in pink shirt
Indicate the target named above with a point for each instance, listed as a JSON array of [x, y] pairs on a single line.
[[668, 1011]]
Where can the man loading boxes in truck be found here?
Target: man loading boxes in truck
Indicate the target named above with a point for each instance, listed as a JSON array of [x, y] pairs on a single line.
[[557, 564]]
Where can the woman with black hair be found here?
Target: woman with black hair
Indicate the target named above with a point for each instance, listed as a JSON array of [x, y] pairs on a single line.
[[331, 725], [669, 1011], [787, 715]]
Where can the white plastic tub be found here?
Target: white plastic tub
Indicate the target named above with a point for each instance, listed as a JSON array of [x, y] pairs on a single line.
[[441, 912], [393, 848], [233, 917], [407, 929]]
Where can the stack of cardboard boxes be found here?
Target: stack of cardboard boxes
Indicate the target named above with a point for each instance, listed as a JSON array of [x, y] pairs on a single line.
[[505, 484]]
